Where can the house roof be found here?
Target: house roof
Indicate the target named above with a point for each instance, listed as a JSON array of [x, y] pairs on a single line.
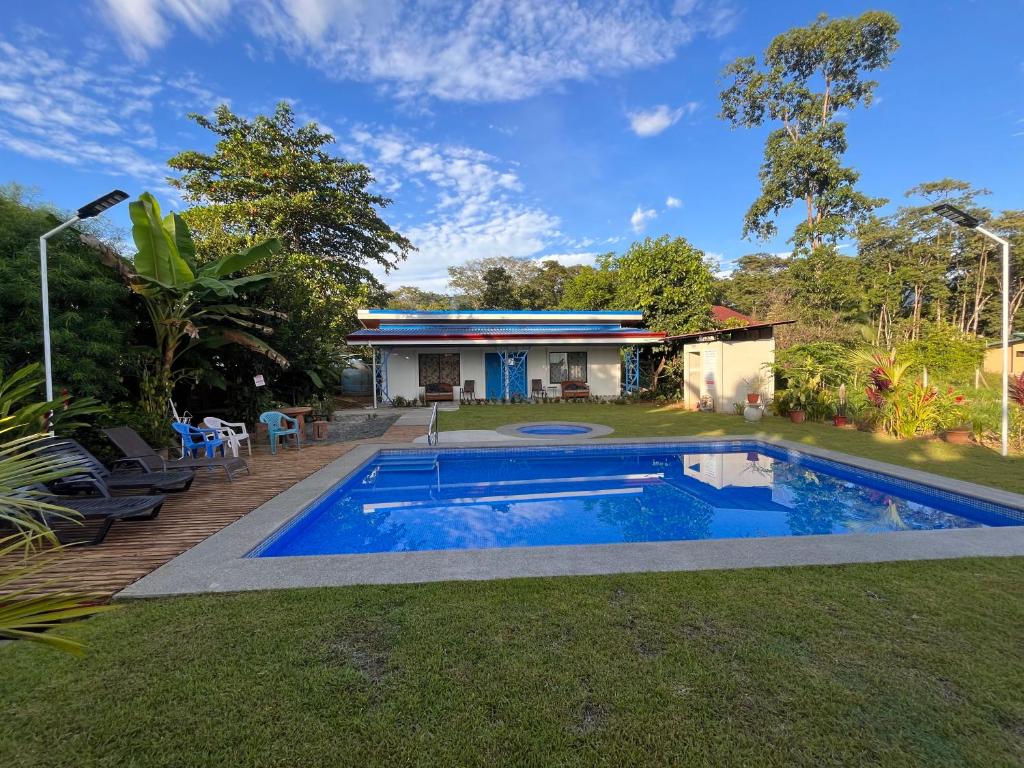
[[722, 314], [372, 318], [504, 334], [1014, 340]]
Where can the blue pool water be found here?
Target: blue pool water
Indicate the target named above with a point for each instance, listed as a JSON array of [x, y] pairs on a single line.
[[554, 429], [524, 497]]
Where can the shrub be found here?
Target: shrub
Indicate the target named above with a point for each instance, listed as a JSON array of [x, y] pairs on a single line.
[[828, 360], [950, 356]]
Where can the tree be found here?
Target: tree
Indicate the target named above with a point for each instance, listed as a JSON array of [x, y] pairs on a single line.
[[593, 287], [808, 75], [271, 178], [411, 297], [499, 290], [189, 303], [93, 315]]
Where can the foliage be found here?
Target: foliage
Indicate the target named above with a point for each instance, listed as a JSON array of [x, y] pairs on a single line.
[[30, 611], [506, 282], [829, 361], [808, 75], [412, 297], [93, 315], [904, 407], [191, 304], [667, 278], [269, 177], [949, 356]]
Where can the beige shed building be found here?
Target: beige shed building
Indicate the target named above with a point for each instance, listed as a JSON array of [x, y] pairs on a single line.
[[994, 356], [719, 363]]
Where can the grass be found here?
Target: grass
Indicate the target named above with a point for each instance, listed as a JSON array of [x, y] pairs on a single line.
[[970, 462], [896, 664]]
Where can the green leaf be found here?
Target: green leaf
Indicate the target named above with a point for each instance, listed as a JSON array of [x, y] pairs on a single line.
[[239, 261], [179, 233], [219, 287], [157, 259]]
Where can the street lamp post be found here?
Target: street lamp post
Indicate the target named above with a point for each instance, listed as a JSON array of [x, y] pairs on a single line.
[[87, 211], [964, 219]]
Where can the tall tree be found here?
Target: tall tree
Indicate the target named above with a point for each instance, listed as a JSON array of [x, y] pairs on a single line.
[[270, 177], [808, 74], [412, 297], [499, 290]]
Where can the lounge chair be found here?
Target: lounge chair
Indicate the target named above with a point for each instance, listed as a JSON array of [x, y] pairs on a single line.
[[106, 511], [96, 478], [275, 421], [138, 453]]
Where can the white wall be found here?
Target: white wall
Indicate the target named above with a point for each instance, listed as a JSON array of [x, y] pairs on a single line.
[[732, 362], [604, 370]]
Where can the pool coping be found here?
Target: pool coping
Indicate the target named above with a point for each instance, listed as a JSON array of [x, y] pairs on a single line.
[[512, 430], [219, 563]]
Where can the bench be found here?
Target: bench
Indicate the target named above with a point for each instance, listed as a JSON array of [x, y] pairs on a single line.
[[575, 389], [438, 393]]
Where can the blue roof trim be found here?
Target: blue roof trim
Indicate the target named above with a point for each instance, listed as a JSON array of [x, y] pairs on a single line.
[[467, 330], [429, 312]]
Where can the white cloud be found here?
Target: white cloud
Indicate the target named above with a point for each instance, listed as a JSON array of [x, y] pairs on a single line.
[[653, 121], [470, 51], [673, 202], [478, 209], [571, 259], [640, 218]]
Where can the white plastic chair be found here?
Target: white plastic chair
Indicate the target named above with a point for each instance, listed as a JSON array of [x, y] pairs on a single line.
[[234, 433]]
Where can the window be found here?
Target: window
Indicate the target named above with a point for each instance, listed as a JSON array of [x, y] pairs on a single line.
[[439, 369], [567, 366]]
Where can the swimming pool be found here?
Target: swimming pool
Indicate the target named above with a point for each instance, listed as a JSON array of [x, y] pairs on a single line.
[[461, 499], [554, 429]]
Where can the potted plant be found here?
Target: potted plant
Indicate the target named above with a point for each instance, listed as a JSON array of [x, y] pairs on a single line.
[[840, 418], [754, 386], [953, 413]]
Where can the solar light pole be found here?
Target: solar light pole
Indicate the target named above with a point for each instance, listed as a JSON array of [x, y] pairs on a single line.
[[87, 211], [964, 219]]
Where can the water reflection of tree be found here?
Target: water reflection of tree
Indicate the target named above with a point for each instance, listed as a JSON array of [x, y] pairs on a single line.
[[819, 501], [660, 513]]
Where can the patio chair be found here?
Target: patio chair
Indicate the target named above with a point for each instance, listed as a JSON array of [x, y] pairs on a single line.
[[140, 455], [234, 432], [537, 390], [196, 439], [106, 511], [468, 391], [275, 431], [95, 478]]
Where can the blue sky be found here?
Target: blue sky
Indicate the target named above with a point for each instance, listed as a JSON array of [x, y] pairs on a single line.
[[524, 127]]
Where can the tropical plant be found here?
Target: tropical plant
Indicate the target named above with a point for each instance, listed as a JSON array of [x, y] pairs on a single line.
[[30, 611], [191, 304]]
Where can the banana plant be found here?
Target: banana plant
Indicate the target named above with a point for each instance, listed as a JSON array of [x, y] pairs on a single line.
[[191, 304]]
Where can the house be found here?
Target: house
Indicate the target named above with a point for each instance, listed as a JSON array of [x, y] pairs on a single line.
[[718, 363], [994, 355], [432, 354]]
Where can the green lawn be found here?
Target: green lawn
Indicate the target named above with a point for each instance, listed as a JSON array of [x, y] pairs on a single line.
[[971, 462], [897, 664]]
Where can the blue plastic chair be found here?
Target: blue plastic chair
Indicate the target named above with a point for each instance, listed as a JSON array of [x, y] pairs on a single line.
[[275, 430], [196, 439]]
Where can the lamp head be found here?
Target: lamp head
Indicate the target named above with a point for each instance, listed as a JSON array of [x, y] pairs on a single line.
[[100, 204], [958, 217]]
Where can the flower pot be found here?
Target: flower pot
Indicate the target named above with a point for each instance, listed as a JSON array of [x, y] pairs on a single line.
[[797, 417], [753, 397], [753, 456], [958, 436], [840, 421]]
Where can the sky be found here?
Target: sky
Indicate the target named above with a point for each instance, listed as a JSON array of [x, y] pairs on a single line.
[[524, 128]]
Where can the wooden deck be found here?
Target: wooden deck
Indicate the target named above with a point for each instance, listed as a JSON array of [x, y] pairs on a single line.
[[133, 549]]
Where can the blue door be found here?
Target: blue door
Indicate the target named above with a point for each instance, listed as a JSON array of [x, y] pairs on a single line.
[[494, 373]]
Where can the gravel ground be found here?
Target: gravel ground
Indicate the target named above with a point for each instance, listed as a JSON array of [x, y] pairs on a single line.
[[360, 428]]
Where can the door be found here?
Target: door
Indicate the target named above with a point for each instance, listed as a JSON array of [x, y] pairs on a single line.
[[693, 381], [494, 372]]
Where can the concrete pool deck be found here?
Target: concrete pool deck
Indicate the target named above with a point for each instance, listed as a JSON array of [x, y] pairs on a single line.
[[219, 564]]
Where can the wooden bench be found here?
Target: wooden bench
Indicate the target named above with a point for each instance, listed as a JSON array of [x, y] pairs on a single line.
[[438, 393], [575, 389]]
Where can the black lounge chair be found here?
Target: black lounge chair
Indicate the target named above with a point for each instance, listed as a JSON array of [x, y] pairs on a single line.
[[106, 511], [138, 453], [96, 478]]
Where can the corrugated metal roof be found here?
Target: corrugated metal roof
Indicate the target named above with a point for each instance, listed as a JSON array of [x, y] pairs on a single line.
[[489, 330]]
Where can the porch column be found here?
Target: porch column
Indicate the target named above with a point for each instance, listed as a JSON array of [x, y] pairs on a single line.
[[631, 369], [380, 376]]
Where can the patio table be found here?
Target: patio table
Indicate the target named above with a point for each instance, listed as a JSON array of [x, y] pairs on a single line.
[[298, 412]]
